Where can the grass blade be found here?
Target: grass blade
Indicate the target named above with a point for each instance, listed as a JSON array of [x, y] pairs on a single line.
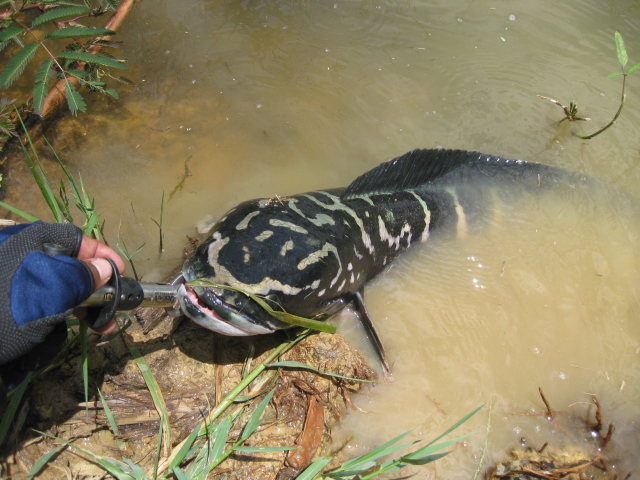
[[304, 366], [158, 449], [107, 411], [14, 403], [280, 315], [262, 449], [184, 448], [26, 216], [154, 389], [220, 435], [315, 468], [254, 420], [430, 449], [115, 468], [42, 461], [457, 424], [41, 179], [378, 452], [85, 364]]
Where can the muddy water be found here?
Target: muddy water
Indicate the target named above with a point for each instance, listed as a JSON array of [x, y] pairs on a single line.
[[253, 98]]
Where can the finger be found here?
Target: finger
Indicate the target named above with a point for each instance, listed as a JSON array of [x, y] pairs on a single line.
[[92, 248], [101, 270]]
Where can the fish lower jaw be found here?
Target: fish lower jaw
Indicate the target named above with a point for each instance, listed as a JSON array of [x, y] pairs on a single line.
[[205, 316]]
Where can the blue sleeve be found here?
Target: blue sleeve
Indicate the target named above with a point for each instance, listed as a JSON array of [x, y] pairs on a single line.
[[44, 286], [37, 291]]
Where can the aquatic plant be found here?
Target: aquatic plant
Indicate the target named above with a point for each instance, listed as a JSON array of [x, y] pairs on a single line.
[[571, 111], [38, 27], [623, 59]]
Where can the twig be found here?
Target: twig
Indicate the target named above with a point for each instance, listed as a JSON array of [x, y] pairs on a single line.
[[549, 411]]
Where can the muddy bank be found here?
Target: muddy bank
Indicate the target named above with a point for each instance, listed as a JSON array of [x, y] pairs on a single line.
[[195, 369]]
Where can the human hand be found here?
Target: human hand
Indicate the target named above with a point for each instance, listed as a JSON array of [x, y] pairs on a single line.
[[94, 254], [39, 288]]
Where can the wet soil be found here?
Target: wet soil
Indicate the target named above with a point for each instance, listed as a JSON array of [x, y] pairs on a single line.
[[194, 368]]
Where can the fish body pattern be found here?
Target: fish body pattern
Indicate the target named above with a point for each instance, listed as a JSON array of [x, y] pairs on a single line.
[[311, 253]]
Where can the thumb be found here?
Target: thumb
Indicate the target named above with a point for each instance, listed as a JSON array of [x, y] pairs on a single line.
[[101, 270]]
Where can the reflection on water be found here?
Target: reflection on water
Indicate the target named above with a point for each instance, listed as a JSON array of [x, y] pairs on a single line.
[[265, 98]]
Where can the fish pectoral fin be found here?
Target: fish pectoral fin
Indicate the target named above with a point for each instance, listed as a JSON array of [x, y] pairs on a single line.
[[367, 323]]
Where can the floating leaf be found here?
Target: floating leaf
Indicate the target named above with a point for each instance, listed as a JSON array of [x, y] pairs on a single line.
[[42, 81], [9, 33], [92, 58], [59, 13], [622, 52], [16, 65], [76, 31]]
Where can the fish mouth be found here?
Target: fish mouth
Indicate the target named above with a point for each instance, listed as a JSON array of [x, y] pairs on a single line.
[[206, 307]]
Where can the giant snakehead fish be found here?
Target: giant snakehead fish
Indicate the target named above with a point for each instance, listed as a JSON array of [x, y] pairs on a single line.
[[313, 253]]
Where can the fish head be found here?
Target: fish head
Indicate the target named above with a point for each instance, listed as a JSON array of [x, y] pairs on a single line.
[[220, 309]]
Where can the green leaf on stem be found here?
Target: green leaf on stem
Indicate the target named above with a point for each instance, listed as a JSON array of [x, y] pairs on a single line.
[[42, 80], [622, 52], [60, 13], [16, 65], [77, 31], [74, 99], [8, 34], [92, 58]]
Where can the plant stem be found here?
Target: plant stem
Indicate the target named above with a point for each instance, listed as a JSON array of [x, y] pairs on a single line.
[[589, 137]]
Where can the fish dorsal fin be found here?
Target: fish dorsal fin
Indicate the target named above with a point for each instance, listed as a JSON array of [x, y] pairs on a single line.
[[411, 170]]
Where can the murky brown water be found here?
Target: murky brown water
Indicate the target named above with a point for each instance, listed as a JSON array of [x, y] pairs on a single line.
[[263, 98]]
